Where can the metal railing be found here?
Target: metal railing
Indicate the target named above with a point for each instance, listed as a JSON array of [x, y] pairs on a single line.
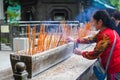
[[19, 30]]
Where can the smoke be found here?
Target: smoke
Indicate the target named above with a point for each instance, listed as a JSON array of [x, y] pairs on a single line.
[[87, 13]]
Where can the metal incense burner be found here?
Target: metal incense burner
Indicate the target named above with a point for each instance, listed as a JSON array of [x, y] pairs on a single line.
[[40, 62]]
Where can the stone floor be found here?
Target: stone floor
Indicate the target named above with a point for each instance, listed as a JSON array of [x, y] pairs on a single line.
[[4, 59], [4, 56]]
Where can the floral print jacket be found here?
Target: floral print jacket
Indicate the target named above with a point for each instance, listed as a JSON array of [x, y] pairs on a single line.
[[104, 41], [101, 45]]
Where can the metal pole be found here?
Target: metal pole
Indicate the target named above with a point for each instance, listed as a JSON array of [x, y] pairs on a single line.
[[11, 35]]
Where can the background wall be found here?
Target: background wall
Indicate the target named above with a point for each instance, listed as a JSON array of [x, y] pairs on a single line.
[[42, 10]]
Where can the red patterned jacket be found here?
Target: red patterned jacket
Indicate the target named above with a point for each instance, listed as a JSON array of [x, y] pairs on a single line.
[[104, 40]]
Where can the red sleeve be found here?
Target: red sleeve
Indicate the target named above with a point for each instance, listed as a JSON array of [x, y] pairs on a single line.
[[99, 48]]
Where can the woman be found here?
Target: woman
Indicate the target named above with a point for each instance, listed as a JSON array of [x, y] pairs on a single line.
[[104, 40], [116, 18]]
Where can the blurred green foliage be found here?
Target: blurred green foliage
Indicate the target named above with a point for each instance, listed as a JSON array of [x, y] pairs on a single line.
[[14, 2], [115, 3], [3, 40]]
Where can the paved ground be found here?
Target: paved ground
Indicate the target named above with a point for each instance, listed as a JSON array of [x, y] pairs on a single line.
[[4, 59], [4, 47], [5, 66], [4, 56]]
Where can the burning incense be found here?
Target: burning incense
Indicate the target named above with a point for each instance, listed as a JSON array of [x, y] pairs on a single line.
[[34, 40], [29, 40]]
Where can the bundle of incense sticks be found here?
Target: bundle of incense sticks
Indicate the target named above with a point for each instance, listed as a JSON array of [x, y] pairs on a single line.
[[54, 41], [41, 39], [88, 26], [83, 31], [46, 41], [34, 40], [29, 40]]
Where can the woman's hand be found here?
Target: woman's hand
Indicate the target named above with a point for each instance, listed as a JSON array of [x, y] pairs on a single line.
[[77, 51], [70, 39]]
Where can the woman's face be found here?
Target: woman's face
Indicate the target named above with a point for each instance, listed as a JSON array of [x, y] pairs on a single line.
[[97, 24]]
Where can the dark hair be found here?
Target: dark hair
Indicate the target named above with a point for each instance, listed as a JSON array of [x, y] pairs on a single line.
[[116, 15], [104, 16]]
